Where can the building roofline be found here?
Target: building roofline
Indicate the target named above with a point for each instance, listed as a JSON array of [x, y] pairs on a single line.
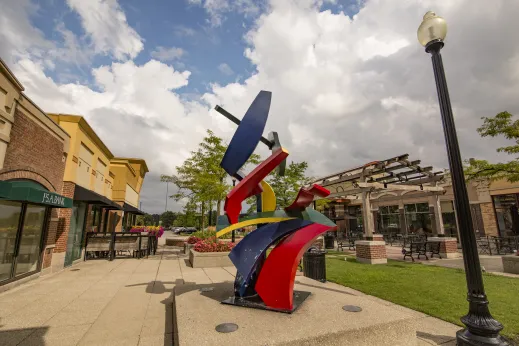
[[10, 75], [80, 120], [134, 160]]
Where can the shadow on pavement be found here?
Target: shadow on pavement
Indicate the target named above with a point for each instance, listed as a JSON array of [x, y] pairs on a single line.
[[34, 336], [323, 288], [437, 339], [215, 291]]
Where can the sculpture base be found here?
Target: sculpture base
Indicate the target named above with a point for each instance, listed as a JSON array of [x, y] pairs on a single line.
[[255, 302]]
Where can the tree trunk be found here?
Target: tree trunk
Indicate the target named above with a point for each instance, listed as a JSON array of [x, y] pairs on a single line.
[[202, 207], [218, 207]]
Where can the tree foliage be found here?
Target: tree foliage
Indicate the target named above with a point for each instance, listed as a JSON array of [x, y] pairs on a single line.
[[167, 218], [200, 178], [500, 125], [286, 187]]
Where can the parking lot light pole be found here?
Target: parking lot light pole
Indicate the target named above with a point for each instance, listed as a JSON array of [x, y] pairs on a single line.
[[481, 328]]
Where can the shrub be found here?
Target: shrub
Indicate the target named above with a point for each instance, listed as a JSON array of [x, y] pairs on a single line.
[[213, 245]]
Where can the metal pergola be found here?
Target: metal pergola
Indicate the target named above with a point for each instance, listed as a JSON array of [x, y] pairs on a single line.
[[396, 176]]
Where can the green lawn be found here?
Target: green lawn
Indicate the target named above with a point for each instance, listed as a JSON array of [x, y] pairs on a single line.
[[436, 291]]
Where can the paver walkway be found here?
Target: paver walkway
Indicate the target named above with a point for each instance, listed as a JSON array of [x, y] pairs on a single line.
[[124, 302]]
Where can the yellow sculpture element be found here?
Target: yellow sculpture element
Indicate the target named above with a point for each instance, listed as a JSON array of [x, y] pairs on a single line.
[[250, 223], [268, 197]]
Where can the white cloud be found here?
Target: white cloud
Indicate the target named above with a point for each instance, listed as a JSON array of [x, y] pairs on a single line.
[[345, 90], [167, 54], [105, 22], [217, 9], [18, 38], [225, 69], [184, 31]]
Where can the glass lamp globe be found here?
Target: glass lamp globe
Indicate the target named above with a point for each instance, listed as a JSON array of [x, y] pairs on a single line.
[[432, 28]]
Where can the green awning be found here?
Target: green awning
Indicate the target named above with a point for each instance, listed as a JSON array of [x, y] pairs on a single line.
[[31, 192]]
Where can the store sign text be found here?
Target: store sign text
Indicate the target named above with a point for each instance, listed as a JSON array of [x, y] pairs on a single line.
[[53, 199]]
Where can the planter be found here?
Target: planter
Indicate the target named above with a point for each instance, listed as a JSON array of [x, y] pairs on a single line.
[[209, 259], [176, 241], [187, 248], [511, 264]]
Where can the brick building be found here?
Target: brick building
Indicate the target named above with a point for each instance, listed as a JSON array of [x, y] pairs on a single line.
[[33, 150]]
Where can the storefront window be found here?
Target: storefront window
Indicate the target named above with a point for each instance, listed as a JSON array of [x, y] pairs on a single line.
[[418, 218], [449, 219], [389, 219], [9, 219], [507, 214], [29, 252]]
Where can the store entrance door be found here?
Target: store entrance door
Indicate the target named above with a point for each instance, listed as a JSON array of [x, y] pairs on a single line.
[[75, 235]]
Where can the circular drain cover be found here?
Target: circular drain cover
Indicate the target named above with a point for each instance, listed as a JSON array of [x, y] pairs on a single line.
[[207, 289], [352, 308], [226, 328]]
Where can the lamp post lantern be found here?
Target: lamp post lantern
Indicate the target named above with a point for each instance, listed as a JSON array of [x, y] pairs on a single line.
[[481, 328], [233, 238]]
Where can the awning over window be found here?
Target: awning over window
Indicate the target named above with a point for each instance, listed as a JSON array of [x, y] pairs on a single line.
[[84, 195], [132, 210], [31, 192]]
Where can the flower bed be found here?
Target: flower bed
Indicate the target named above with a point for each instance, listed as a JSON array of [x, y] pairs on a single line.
[[209, 252], [157, 231], [213, 245]]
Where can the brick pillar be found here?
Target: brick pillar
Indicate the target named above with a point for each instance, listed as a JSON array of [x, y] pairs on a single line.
[[50, 239], [371, 251], [63, 228], [448, 246], [64, 219]]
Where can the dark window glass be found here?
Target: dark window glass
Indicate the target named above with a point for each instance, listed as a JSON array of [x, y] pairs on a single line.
[[422, 208], [504, 201], [29, 253], [410, 208], [9, 219]]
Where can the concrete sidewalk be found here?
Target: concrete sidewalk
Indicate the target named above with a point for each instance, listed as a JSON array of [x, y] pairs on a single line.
[[124, 302]]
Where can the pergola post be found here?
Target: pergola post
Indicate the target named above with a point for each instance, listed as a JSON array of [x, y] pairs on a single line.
[[436, 213], [401, 214], [372, 249], [448, 245], [367, 216]]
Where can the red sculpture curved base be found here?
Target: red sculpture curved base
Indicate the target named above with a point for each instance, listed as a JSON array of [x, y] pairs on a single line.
[[275, 283]]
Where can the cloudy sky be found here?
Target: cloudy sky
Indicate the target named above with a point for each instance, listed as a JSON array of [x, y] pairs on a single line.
[[350, 82]]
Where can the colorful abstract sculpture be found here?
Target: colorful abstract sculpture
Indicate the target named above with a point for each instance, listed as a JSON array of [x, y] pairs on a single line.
[[263, 281]]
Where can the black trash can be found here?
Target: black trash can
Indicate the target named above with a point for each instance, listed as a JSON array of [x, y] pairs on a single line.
[[314, 265], [329, 242]]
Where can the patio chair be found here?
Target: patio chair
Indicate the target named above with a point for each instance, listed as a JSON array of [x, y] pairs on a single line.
[[484, 246], [340, 241], [414, 248], [434, 249]]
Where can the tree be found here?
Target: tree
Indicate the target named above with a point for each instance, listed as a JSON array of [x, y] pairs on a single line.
[[167, 218], [144, 220], [286, 187], [200, 178], [500, 125]]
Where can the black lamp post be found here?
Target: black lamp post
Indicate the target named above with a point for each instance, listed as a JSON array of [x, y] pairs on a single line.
[[481, 328], [233, 239]]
